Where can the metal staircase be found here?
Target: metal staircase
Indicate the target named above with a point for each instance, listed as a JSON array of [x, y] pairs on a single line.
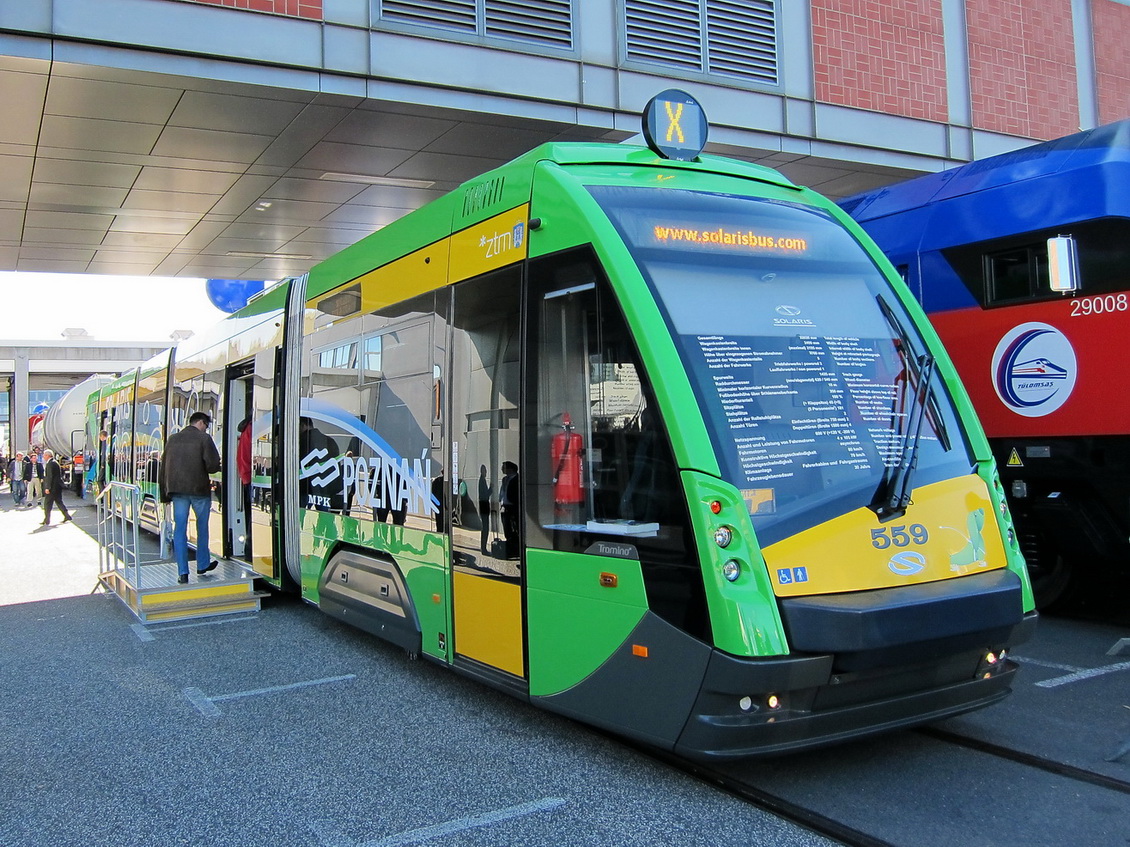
[[147, 582]]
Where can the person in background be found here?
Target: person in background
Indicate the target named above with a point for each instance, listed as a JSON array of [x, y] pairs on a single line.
[[190, 456], [16, 479], [35, 484], [509, 500], [52, 488], [27, 472], [243, 453]]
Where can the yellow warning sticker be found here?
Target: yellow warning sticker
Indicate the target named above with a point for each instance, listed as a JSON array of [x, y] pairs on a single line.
[[1014, 459]]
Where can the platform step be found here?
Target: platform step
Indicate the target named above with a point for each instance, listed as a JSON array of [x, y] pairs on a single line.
[[153, 594]]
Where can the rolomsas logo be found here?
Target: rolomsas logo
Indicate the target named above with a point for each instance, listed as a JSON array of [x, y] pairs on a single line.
[[1034, 369]]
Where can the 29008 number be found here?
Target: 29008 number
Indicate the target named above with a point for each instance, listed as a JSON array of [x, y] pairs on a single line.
[[899, 536], [1098, 305]]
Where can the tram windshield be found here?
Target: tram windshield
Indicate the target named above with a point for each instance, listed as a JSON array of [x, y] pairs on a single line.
[[811, 377]]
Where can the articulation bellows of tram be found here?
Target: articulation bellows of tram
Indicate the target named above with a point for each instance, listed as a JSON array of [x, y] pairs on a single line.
[[650, 438]]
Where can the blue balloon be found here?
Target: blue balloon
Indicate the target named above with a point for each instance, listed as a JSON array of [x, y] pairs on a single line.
[[231, 295]]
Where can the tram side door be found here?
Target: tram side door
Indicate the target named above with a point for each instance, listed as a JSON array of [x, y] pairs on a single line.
[[236, 480], [248, 457], [487, 577]]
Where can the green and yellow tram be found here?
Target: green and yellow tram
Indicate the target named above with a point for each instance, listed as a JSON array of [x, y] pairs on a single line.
[[653, 439]]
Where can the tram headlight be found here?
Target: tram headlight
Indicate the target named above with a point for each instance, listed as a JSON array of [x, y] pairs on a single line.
[[732, 570], [723, 535]]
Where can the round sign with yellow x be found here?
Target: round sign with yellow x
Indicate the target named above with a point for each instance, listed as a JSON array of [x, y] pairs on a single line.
[[674, 125]]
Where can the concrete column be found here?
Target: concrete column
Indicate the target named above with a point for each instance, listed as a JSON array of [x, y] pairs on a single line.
[[17, 411], [1084, 34]]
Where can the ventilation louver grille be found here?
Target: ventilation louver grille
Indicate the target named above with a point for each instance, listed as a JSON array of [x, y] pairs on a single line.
[[548, 23], [735, 38]]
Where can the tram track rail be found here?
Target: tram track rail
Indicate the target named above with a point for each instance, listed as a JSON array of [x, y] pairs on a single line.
[[1029, 759], [767, 801], [843, 833]]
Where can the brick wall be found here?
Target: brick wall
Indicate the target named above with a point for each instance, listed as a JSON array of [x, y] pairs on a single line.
[[1111, 23], [311, 9], [1022, 67], [883, 55]]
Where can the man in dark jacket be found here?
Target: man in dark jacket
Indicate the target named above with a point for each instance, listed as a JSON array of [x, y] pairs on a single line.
[[52, 487], [190, 456], [27, 473]]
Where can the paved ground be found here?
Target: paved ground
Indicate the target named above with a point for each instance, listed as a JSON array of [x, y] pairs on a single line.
[[288, 728], [45, 562]]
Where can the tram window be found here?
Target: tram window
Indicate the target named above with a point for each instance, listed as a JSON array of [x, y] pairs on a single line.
[[366, 440], [341, 356], [603, 466], [398, 351]]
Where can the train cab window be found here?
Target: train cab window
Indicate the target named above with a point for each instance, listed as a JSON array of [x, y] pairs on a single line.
[[1017, 274]]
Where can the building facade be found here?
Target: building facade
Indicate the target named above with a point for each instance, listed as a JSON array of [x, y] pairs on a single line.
[[250, 139]]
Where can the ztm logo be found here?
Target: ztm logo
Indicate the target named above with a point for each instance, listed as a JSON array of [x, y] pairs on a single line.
[[1034, 369]]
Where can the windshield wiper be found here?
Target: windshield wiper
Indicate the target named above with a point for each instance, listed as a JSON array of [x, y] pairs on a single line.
[[893, 494]]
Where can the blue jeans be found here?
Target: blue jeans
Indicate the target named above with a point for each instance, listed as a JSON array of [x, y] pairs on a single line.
[[19, 491], [200, 508]]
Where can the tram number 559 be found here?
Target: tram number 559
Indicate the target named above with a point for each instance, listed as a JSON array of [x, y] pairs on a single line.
[[899, 536]]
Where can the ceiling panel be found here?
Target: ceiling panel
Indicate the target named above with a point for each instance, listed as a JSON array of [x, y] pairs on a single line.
[[503, 142], [52, 265], [148, 241], [318, 190], [11, 225], [352, 158], [371, 217], [72, 254], [68, 220], [115, 101], [117, 170], [85, 172], [444, 167], [377, 129], [81, 197], [23, 96], [231, 113], [272, 234], [185, 180], [145, 223], [46, 235], [210, 145], [169, 201], [15, 177], [289, 211], [70, 133]]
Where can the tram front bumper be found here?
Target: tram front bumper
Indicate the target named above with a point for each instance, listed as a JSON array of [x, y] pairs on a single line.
[[752, 708]]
